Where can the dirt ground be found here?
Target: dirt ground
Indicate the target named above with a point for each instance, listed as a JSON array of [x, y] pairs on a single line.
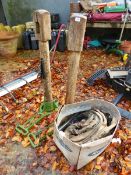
[[16, 155], [13, 67]]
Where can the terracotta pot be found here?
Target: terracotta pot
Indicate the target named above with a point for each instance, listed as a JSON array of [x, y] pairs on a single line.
[[8, 43], [126, 46]]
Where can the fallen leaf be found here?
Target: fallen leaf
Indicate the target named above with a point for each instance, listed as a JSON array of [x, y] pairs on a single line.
[[10, 133], [54, 166], [37, 141], [25, 142], [17, 138], [53, 148], [98, 167], [45, 148]]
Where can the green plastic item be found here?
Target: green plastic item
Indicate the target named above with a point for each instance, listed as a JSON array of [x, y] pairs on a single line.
[[119, 8], [112, 46], [32, 137], [116, 51], [48, 106], [24, 129]]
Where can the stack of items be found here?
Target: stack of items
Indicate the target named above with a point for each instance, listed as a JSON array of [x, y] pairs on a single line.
[[29, 39], [111, 11], [61, 46], [88, 126], [55, 21], [111, 7], [55, 26]]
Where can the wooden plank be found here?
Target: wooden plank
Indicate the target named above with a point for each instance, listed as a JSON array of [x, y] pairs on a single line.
[[42, 21], [107, 24], [104, 24], [73, 68], [76, 32], [75, 46], [44, 53], [75, 7]]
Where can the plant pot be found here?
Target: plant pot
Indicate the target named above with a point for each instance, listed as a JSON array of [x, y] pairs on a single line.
[[126, 46], [8, 43], [19, 29]]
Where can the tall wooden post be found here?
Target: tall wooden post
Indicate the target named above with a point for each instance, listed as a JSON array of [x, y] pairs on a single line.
[[43, 34], [75, 46]]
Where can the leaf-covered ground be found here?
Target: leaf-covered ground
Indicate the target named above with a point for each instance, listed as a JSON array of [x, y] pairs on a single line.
[[17, 157]]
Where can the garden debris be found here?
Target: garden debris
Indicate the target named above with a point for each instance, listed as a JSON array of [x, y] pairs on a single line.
[[90, 125], [114, 160], [90, 131], [45, 110]]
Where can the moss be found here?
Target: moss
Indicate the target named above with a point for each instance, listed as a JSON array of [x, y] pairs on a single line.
[[19, 11]]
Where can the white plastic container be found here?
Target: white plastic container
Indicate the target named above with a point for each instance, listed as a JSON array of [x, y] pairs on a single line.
[[80, 155]]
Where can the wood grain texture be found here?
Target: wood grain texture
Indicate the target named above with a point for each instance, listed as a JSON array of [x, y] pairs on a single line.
[[44, 53], [75, 7], [76, 32], [43, 34], [75, 45], [42, 21], [73, 68]]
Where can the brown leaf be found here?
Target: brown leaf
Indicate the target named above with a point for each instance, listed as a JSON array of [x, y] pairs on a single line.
[[45, 148], [17, 138], [25, 142], [53, 148], [54, 166]]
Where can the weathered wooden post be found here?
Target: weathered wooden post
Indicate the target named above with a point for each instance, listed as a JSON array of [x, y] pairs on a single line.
[[75, 46], [43, 34], [74, 7]]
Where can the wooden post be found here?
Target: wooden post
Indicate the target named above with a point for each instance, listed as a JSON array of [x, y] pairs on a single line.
[[75, 46], [75, 7], [43, 34]]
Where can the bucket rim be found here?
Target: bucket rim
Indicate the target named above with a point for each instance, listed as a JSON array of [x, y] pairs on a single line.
[[7, 35]]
